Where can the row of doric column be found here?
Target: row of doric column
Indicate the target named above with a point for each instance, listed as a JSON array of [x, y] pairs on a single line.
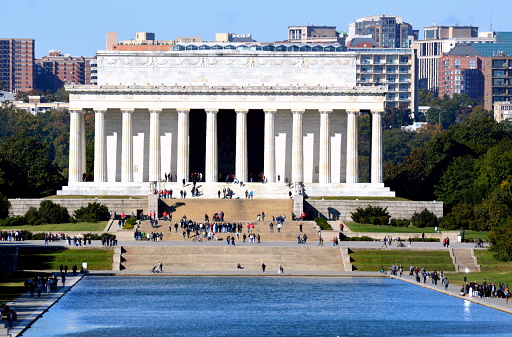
[[77, 146]]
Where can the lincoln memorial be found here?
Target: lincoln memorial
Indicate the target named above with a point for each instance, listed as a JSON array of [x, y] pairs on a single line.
[[284, 116]]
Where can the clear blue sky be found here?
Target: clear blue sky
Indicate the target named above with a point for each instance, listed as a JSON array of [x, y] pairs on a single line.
[[78, 27]]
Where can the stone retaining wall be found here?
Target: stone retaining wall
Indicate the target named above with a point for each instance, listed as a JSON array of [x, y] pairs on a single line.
[[341, 209], [21, 206]]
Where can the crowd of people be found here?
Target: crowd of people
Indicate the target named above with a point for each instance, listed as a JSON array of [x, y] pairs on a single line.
[[17, 235], [472, 289], [143, 236], [48, 284]]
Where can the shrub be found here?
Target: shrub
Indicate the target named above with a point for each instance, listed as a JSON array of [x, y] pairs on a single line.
[[322, 223], [359, 238], [400, 222], [38, 236], [94, 212], [15, 221], [52, 213], [374, 215], [32, 217], [424, 219]]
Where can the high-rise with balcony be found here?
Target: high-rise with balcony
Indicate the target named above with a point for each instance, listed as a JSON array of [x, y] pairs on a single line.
[[17, 64], [387, 31], [498, 81], [393, 68]]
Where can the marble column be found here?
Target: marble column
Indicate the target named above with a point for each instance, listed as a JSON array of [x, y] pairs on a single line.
[[324, 176], [376, 164], [352, 161], [75, 146], [127, 147], [100, 146], [297, 148], [154, 145], [269, 149], [82, 141], [211, 160], [241, 167], [183, 147]]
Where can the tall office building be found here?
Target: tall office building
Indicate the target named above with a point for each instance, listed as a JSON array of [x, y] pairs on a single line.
[[17, 64], [387, 31], [394, 69], [440, 40]]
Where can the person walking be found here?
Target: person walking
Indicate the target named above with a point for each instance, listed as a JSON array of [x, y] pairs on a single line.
[[446, 283], [263, 267]]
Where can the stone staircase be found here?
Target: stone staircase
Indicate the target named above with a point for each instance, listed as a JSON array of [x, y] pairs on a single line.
[[464, 258], [288, 232], [210, 190], [225, 258], [234, 209], [4, 330]]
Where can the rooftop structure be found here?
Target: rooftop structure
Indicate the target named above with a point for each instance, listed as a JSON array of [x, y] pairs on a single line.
[[386, 30], [314, 34]]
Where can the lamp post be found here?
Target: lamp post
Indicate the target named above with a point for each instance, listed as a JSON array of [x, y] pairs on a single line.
[[466, 277]]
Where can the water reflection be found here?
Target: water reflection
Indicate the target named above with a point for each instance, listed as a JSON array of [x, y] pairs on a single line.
[[262, 306]]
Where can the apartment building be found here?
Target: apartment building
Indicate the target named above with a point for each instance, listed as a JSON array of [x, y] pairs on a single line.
[[17, 64]]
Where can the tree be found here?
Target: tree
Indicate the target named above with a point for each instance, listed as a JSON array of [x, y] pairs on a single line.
[[4, 206], [427, 98], [28, 168], [397, 144], [501, 240], [62, 95], [395, 118], [23, 95], [94, 212], [424, 219], [52, 213]]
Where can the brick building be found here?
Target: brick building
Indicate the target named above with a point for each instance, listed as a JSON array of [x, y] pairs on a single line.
[[56, 70], [461, 71], [17, 64]]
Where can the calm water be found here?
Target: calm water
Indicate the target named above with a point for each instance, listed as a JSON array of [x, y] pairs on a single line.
[[263, 306]]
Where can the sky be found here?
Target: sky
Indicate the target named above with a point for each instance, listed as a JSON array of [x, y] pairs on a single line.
[[79, 27]]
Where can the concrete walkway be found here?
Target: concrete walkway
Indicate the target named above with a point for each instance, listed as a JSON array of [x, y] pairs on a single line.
[[312, 241], [454, 290], [29, 309]]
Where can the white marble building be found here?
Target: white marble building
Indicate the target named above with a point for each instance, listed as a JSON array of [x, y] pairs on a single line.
[[291, 116]]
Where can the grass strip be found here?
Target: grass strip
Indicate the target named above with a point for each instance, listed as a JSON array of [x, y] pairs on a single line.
[[63, 227], [50, 258], [374, 260]]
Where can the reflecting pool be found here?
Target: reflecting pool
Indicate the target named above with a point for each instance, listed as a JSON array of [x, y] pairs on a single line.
[[263, 306]]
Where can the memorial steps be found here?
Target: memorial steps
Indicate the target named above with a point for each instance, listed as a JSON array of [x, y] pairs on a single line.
[[210, 190], [288, 232], [234, 209], [224, 258]]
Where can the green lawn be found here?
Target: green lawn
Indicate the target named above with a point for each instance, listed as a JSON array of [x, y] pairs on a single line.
[[12, 284], [472, 235], [48, 258], [368, 228], [63, 227], [373, 260]]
